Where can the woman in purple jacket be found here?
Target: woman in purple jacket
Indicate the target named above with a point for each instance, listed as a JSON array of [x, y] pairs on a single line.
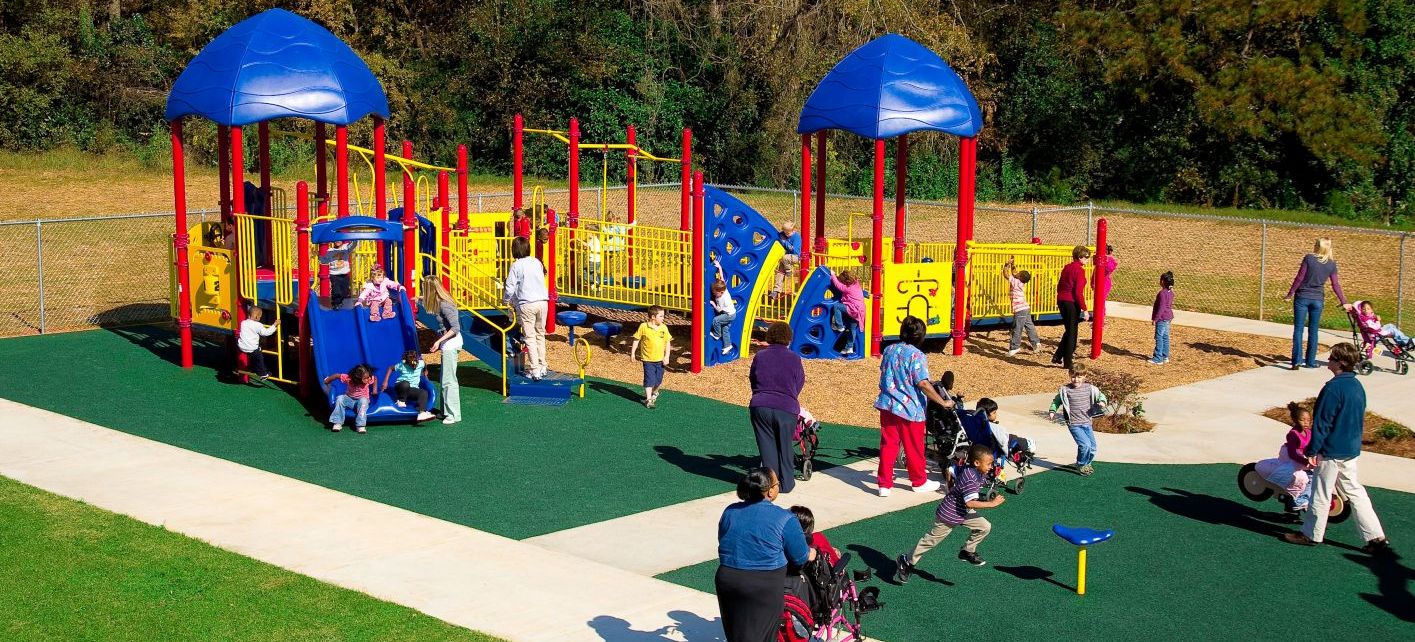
[[1309, 290], [777, 378]]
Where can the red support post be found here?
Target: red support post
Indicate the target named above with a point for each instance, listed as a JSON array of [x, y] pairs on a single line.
[[380, 187], [901, 173], [573, 217], [632, 208], [877, 257], [462, 173], [687, 180], [699, 282], [263, 162], [517, 150], [238, 206], [821, 138], [967, 161], [302, 279], [550, 270], [223, 169], [1098, 301], [806, 205], [446, 240], [180, 241], [410, 252], [341, 168], [321, 172]]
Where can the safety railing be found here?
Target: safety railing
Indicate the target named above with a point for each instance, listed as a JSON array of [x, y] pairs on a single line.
[[474, 298], [990, 295], [282, 255], [613, 263]]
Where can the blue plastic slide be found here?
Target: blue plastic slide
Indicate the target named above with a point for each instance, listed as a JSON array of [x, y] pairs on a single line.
[[346, 337]]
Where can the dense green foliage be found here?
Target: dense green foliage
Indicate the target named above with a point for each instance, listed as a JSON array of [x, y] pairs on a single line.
[[1282, 103]]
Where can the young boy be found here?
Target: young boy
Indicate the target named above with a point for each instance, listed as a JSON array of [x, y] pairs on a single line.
[[249, 342], [1021, 310], [1075, 401], [652, 345], [724, 310], [958, 508]]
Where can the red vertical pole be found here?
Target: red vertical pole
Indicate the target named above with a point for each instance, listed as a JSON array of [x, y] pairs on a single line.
[[573, 216], [633, 206], [223, 168], [1098, 301], [550, 270], [341, 168], [806, 205], [380, 187], [901, 173], [446, 240], [821, 137], [687, 179], [263, 161], [699, 261], [876, 256], [462, 170], [410, 254], [302, 278], [409, 194], [967, 160], [180, 241], [238, 206], [517, 130], [321, 171]]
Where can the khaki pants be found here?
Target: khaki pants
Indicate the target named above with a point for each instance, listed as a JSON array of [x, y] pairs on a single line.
[[979, 528], [1330, 475], [789, 267], [533, 316]]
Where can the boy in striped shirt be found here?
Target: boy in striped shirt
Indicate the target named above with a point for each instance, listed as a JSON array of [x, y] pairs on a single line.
[[958, 508]]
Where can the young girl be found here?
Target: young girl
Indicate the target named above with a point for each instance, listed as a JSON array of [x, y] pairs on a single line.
[[376, 294], [1371, 328], [1162, 313], [847, 310], [408, 385], [1289, 468], [725, 309], [360, 387], [1021, 310]]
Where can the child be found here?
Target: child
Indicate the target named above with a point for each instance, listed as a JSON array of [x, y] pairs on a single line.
[[337, 258], [1371, 328], [958, 508], [725, 310], [847, 311], [542, 238], [594, 256], [520, 223], [815, 540], [1075, 401], [360, 387], [790, 263], [652, 345], [1162, 313], [1289, 468], [1021, 310], [376, 294], [249, 342], [408, 385]]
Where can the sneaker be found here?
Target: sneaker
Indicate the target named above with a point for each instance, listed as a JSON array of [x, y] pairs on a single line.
[[360, 429], [424, 416], [448, 421], [971, 558], [1087, 470], [884, 492], [927, 487], [401, 404], [903, 570], [1013, 352], [837, 328], [263, 377], [848, 351], [648, 403], [714, 335], [726, 349], [1379, 546], [337, 427]]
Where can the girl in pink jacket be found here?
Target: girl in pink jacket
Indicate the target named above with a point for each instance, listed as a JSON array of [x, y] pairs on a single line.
[[847, 310]]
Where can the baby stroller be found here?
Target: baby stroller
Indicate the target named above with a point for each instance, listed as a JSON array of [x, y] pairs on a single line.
[[1019, 451], [1369, 339], [943, 426], [829, 606], [805, 443]]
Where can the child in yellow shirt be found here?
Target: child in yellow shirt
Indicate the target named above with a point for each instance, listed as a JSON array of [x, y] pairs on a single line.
[[652, 345]]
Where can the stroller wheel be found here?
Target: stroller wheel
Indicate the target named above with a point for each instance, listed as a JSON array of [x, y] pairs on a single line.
[[1402, 367], [1021, 483], [806, 470], [1365, 367]]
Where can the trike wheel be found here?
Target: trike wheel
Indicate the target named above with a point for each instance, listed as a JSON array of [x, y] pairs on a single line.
[[1340, 510], [1252, 485], [1402, 367], [1365, 367]]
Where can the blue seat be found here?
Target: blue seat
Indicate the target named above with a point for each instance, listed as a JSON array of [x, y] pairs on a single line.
[[571, 319], [635, 282], [607, 329], [1079, 536]]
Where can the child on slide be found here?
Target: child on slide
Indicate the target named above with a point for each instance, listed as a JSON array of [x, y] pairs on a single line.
[[1289, 468], [377, 294]]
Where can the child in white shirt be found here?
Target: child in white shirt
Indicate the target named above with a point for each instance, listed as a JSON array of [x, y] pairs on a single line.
[[248, 342]]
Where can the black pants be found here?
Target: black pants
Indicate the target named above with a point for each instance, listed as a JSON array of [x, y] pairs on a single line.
[[774, 430], [751, 603], [403, 391], [338, 289], [256, 362], [1070, 318]]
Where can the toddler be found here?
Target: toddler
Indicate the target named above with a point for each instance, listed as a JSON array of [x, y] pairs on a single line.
[[594, 256], [520, 223], [724, 309], [847, 310], [376, 294], [1021, 310], [249, 342], [652, 346], [1371, 328], [1162, 313], [958, 508], [360, 387], [1076, 401], [408, 386], [1289, 468], [337, 257]]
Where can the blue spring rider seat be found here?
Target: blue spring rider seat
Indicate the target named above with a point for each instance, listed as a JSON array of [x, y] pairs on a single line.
[[1081, 538], [571, 319], [607, 329]]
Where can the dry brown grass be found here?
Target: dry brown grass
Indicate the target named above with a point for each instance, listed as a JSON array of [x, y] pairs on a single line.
[[1378, 434]]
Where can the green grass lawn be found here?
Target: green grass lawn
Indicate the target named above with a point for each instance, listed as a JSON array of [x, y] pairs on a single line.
[[74, 572], [517, 471], [1191, 559]]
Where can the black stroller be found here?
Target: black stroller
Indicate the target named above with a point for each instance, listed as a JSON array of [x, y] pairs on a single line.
[[952, 430], [1369, 340], [805, 444]]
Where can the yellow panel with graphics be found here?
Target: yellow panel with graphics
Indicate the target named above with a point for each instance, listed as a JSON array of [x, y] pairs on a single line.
[[211, 292], [924, 290]]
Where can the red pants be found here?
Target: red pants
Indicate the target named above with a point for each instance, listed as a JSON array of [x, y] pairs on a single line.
[[892, 430]]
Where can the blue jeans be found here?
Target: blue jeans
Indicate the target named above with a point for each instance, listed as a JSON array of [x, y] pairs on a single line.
[[1161, 341], [840, 318], [1306, 312], [345, 402], [720, 324], [1395, 333], [1085, 443], [1304, 498]]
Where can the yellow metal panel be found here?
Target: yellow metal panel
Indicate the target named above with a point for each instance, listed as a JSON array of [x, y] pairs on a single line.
[[989, 296], [923, 290]]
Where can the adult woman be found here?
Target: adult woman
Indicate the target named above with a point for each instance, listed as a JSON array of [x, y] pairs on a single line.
[[777, 377], [437, 301], [526, 290], [1071, 300], [1309, 288], [903, 388], [755, 540]]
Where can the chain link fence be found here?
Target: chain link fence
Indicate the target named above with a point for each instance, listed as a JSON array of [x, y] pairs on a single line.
[[71, 274]]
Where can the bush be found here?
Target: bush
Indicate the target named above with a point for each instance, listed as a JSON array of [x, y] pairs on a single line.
[[1390, 431], [1124, 408]]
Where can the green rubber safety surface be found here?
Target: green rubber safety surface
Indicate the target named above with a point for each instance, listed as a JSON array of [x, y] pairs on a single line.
[[517, 471], [1191, 559]]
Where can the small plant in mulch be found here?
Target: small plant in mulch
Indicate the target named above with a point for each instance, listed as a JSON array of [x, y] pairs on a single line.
[[1125, 406], [1378, 434]]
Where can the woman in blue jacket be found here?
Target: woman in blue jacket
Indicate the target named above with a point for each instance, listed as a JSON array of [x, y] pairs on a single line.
[[755, 540]]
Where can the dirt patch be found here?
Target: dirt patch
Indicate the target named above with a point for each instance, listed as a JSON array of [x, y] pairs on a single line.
[[1378, 434]]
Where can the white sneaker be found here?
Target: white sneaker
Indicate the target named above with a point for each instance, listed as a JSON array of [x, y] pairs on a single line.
[[448, 420], [401, 404], [884, 492], [727, 350], [1013, 352], [927, 487], [424, 416], [337, 427]]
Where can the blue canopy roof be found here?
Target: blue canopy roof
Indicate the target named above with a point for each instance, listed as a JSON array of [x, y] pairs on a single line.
[[888, 87], [276, 64]]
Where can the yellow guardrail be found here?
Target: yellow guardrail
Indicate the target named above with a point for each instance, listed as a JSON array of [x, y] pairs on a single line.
[[282, 259], [593, 264], [470, 296], [989, 293]]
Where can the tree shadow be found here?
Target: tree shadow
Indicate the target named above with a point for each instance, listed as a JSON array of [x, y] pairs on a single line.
[[1034, 573], [725, 468], [883, 566], [687, 625], [1231, 351], [1393, 581]]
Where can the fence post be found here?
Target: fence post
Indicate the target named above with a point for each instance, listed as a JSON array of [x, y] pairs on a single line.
[[39, 267], [1400, 282], [1090, 219], [1262, 269], [479, 203], [1034, 221]]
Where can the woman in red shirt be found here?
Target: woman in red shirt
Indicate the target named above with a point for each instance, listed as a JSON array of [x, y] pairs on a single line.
[[1071, 300]]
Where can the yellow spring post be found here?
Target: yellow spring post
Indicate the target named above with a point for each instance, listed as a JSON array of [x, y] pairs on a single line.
[[1081, 570], [583, 361]]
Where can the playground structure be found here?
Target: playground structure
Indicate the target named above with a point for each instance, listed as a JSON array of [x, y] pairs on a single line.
[[265, 254]]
